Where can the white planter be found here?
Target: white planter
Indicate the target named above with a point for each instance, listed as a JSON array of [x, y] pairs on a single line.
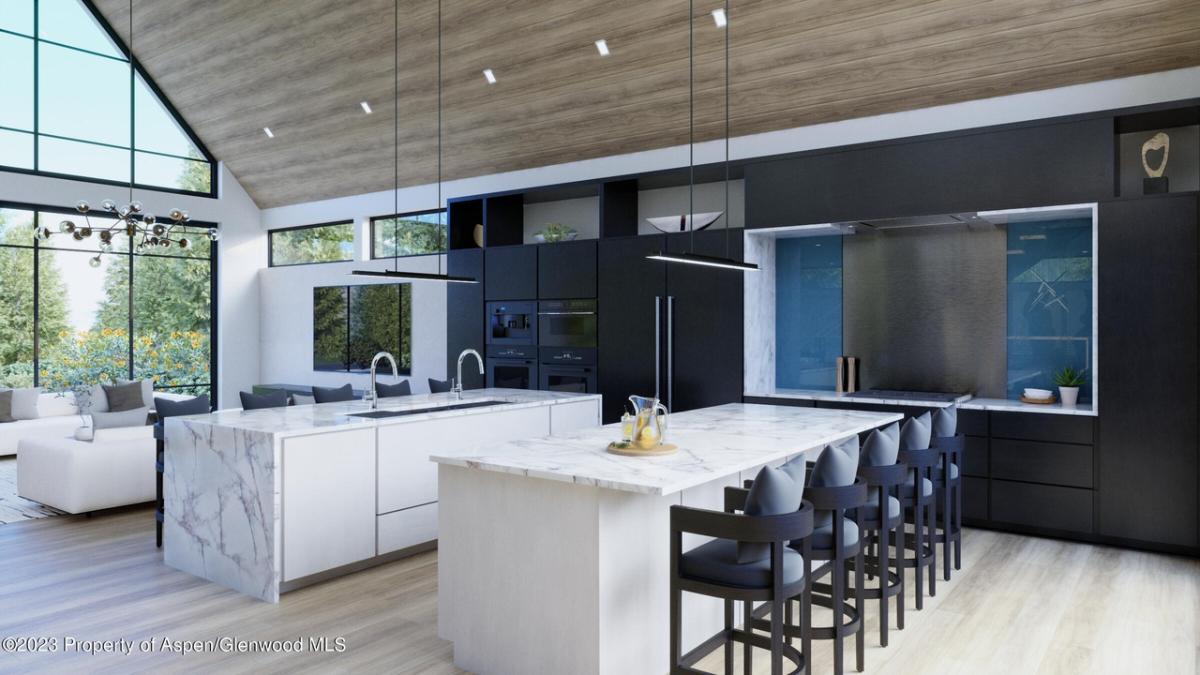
[[1069, 396]]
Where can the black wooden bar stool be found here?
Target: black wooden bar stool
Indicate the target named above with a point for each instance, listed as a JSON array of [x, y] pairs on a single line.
[[917, 500], [883, 476], [749, 561], [839, 543], [948, 484]]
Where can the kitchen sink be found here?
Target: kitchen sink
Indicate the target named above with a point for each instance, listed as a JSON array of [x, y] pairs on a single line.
[[382, 414]]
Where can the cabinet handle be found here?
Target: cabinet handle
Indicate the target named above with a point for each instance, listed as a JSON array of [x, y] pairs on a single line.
[[670, 352], [657, 345]]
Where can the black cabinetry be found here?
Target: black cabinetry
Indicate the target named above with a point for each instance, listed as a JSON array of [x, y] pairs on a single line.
[[511, 273], [1148, 370], [566, 270], [464, 313], [630, 292]]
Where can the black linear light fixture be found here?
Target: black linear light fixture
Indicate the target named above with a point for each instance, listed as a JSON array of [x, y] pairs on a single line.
[[395, 273], [691, 257]]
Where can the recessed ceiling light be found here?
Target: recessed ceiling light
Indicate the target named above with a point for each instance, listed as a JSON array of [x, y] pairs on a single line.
[[602, 47], [489, 75], [267, 131], [719, 17], [366, 107]]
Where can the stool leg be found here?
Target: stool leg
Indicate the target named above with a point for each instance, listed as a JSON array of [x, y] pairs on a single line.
[[837, 602], [958, 488], [882, 562], [900, 537], [676, 627], [931, 523], [747, 650], [919, 534], [728, 637], [806, 617], [860, 634], [946, 513], [777, 636]]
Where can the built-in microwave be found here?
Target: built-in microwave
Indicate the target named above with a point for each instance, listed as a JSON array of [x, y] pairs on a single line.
[[512, 323], [567, 323], [512, 367], [568, 369]]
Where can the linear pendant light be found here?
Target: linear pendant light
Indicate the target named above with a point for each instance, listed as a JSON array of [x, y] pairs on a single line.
[[691, 257], [395, 273]]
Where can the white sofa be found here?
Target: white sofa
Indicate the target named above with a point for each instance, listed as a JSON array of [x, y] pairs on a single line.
[[58, 416], [116, 468]]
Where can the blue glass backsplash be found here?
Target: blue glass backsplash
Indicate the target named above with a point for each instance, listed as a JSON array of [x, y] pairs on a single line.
[[808, 311], [1049, 302]]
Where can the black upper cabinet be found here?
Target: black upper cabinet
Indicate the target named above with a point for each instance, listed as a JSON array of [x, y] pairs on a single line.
[[1147, 371], [464, 313], [705, 348], [511, 273], [631, 290], [1061, 163], [567, 270]]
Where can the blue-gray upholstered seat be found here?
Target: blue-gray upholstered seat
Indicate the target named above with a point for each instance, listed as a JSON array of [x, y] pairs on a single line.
[[717, 561]]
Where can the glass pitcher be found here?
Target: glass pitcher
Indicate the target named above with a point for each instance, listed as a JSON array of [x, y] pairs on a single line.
[[650, 421]]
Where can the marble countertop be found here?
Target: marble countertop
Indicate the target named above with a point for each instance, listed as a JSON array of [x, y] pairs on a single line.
[[302, 420], [713, 443], [964, 402]]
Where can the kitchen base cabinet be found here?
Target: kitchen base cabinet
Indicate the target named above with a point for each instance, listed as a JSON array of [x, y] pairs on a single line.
[[1042, 507], [464, 315], [975, 500], [407, 528]]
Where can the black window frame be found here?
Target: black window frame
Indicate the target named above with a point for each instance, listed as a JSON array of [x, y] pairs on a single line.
[[404, 338], [36, 133], [271, 243], [445, 234], [214, 318]]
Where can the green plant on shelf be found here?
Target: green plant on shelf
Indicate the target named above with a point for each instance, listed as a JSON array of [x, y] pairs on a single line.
[[1070, 377]]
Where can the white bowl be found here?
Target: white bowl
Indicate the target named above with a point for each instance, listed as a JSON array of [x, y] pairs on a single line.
[[1038, 393]]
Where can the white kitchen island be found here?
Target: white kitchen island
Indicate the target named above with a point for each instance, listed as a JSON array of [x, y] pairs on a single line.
[[553, 554], [265, 501]]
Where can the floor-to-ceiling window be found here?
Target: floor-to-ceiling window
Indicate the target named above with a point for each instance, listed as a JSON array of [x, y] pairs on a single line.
[[71, 108], [66, 323]]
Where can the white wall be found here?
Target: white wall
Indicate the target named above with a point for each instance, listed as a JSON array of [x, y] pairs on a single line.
[[241, 252]]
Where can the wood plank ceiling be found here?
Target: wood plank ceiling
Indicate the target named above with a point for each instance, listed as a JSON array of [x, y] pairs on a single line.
[[301, 67]]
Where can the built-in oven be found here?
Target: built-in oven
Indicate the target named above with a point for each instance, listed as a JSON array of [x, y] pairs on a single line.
[[567, 323], [512, 367], [568, 369], [512, 323]]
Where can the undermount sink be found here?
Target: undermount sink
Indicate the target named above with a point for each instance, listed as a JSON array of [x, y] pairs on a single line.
[[380, 414]]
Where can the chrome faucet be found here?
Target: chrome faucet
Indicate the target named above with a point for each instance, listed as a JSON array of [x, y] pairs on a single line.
[[458, 386], [370, 396]]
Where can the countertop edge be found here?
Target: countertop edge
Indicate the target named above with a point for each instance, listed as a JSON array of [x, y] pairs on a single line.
[[967, 402]]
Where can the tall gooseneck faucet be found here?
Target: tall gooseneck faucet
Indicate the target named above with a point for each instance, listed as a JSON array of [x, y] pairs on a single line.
[[458, 384], [370, 396]]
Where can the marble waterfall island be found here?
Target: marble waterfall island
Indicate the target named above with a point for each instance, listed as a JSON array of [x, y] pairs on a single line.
[[553, 553], [265, 501]]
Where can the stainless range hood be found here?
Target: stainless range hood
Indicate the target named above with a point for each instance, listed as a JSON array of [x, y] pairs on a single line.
[[941, 220]]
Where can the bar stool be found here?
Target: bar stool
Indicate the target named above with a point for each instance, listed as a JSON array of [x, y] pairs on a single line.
[[948, 484], [750, 560], [334, 394], [920, 460], [883, 476]]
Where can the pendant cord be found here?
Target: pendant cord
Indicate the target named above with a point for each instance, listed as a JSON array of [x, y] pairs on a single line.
[[396, 139], [441, 214], [691, 216], [727, 216], [132, 117]]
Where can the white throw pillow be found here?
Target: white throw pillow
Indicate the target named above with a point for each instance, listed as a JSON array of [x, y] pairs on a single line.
[[25, 403], [57, 404], [96, 401]]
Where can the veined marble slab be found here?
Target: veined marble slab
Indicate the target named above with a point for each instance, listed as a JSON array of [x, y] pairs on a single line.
[[1007, 405], [822, 395], [713, 443], [303, 420]]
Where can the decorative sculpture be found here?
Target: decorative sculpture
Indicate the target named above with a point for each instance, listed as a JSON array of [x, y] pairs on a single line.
[[1155, 182]]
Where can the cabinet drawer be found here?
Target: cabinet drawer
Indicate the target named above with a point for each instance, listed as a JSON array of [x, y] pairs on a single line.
[[1049, 463], [1042, 427], [973, 422], [975, 498], [1045, 506], [409, 527], [975, 457]]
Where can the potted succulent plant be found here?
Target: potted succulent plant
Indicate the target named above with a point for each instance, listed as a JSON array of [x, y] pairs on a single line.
[[1069, 381]]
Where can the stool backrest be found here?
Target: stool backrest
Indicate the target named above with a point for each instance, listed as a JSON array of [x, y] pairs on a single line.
[[333, 394], [916, 432]]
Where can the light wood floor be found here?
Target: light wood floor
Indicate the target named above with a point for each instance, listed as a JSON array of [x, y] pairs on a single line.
[[1020, 605]]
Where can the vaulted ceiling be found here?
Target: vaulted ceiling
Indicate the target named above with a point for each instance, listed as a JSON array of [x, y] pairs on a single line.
[[301, 67]]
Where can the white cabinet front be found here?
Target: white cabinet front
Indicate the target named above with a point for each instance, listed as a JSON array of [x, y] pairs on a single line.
[[328, 501], [406, 476]]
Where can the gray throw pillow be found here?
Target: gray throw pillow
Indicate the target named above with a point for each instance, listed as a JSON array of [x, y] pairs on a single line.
[[6, 396], [137, 417], [147, 390], [193, 406], [772, 493], [24, 403], [398, 389], [837, 465], [945, 421], [123, 397], [334, 394], [915, 433], [880, 449]]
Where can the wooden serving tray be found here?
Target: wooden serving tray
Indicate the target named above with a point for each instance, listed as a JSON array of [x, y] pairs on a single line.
[[1039, 401], [634, 451]]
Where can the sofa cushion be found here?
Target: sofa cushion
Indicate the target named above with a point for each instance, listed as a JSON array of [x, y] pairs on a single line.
[[125, 418], [166, 407], [79, 477], [94, 400], [302, 399], [398, 389], [44, 427], [24, 403], [945, 421], [916, 432], [717, 562], [124, 397], [6, 416], [122, 434], [57, 404], [772, 493]]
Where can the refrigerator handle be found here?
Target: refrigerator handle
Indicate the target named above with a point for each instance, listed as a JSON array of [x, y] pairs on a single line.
[[670, 352], [657, 345]]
